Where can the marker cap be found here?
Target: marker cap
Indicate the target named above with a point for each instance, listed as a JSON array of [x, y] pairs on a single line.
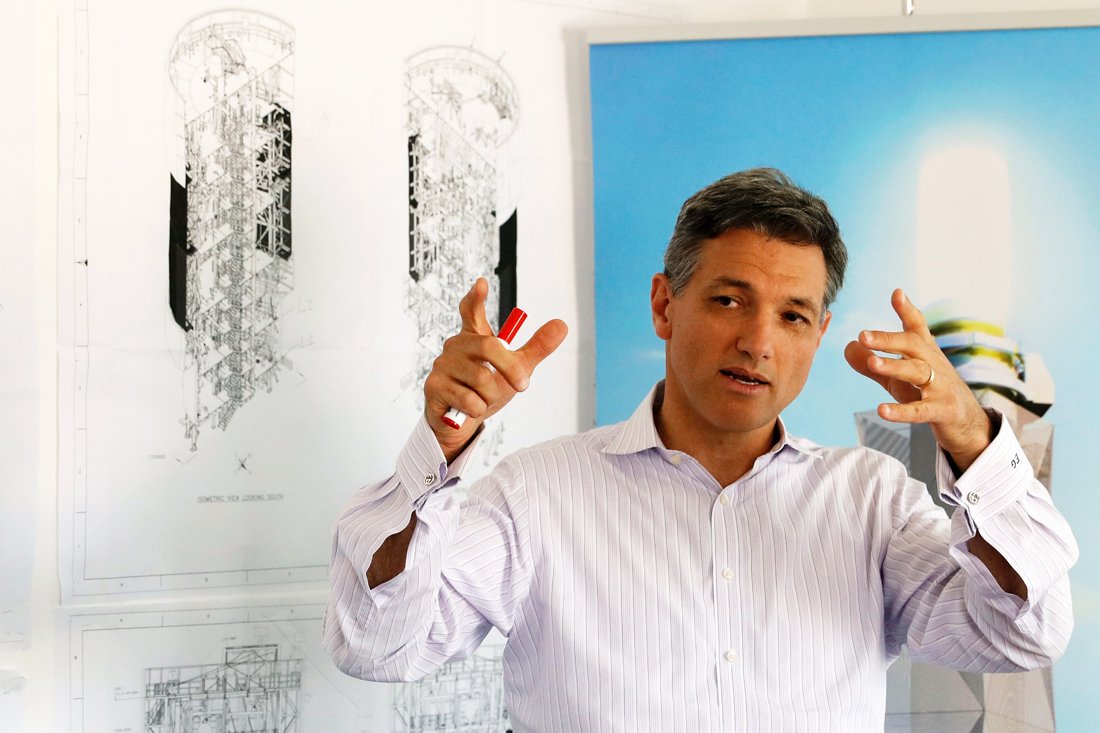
[[511, 325]]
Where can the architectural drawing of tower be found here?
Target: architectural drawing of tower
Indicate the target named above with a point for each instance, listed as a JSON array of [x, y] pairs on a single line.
[[252, 690], [927, 698], [464, 696], [230, 254], [462, 110]]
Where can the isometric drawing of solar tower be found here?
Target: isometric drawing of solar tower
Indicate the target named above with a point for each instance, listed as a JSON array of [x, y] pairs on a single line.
[[963, 231], [251, 690], [230, 255], [465, 696], [463, 221]]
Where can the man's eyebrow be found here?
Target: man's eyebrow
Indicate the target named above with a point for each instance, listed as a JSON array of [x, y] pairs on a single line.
[[731, 282], [799, 302], [806, 303]]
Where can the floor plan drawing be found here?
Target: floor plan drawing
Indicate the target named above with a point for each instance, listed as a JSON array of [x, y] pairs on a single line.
[[465, 696], [251, 689], [216, 669], [462, 109], [230, 259]]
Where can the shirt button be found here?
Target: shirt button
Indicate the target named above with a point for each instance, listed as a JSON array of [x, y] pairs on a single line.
[[731, 656], [727, 574], [429, 479], [724, 499], [973, 497], [675, 460]]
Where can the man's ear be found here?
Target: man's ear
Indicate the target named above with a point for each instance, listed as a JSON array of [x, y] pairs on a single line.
[[660, 303], [824, 326]]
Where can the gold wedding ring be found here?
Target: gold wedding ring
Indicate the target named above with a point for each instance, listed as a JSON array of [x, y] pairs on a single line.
[[931, 377]]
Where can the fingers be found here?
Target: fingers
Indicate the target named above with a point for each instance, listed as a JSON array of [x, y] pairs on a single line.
[[480, 362], [478, 375], [946, 403], [914, 338], [515, 367], [894, 375], [858, 357], [918, 411], [472, 308], [915, 372], [856, 354], [901, 343], [912, 320], [442, 392]]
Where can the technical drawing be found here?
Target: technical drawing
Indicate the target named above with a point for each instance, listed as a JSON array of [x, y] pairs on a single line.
[[217, 669], [465, 696], [463, 223], [230, 252], [1020, 386], [252, 690]]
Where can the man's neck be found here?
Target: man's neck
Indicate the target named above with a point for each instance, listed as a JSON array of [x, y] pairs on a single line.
[[726, 456]]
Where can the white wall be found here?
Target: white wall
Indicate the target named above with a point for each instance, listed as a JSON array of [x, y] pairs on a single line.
[[31, 49], [30, 35]]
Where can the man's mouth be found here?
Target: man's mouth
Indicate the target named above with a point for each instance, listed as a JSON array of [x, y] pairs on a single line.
[[744, 377]]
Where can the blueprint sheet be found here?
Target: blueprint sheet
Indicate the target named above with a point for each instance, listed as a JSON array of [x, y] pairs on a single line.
[[175, 670], [250, 282]]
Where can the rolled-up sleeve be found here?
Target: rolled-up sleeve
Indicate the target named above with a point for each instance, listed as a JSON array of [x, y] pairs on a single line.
[[407, 627], [952, 609]]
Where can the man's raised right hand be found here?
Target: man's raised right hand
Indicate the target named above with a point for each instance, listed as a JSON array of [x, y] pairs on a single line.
[[461, 379]]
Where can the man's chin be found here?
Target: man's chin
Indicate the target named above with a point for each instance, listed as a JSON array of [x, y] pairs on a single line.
[[744, 423]]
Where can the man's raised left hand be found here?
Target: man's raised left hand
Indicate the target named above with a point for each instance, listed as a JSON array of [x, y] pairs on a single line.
[[924, 383]]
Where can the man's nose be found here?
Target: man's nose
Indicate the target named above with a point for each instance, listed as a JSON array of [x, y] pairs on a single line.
[[756, 337]]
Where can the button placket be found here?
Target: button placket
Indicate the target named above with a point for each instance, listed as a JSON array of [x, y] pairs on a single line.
[[728, 602]]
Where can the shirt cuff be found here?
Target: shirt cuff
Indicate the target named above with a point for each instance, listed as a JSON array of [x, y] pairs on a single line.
[[422, 468], [997, 479]]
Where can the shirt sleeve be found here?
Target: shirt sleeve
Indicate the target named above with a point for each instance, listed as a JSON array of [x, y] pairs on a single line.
[[944, 602], [461, 573]]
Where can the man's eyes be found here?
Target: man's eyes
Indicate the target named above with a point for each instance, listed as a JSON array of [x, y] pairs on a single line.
[[792, 317]]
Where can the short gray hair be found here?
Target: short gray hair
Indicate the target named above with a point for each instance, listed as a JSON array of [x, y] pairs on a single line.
[[765, 201]]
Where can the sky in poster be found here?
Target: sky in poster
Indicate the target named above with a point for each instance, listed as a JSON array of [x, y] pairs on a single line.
[[904, 135]]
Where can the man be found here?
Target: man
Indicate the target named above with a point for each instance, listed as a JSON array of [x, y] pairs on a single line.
[[696, 567]]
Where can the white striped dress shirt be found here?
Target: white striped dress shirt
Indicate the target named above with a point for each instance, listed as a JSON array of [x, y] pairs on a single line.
[[637, 594]]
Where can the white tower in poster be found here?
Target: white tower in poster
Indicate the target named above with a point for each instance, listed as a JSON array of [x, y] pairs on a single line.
[[964, 239]]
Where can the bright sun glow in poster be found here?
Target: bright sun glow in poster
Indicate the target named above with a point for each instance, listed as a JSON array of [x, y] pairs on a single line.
[[964, 220]]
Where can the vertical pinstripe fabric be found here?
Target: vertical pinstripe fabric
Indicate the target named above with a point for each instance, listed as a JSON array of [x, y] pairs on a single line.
[[639, 595]]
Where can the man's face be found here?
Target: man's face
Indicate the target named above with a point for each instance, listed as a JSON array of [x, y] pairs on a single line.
[[741, 336]]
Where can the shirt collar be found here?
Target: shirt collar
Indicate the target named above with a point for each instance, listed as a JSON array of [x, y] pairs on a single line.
[[639, 433]]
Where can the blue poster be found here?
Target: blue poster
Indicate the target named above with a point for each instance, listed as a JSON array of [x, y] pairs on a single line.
[[960, 165]]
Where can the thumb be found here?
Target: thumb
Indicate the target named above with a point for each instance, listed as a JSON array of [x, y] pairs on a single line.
[[543, 343]]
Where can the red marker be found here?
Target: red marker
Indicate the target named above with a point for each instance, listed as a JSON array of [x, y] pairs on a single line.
[[508, 331]]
